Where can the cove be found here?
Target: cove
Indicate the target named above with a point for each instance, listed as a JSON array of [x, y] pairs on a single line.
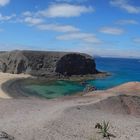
[[122, 70], [53, 89]]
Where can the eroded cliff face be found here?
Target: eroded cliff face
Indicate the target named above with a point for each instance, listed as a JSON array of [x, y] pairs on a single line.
[[46, 63], [75, 64]]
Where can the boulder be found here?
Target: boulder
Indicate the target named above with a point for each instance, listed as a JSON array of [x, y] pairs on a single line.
[[89, 88]]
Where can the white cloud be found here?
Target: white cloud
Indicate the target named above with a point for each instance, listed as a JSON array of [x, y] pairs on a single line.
[[6, 18], [33, 21], [127, 21], [4, 2], [27, 13], [86, 37], [111, 30], [30, 18], [104, 51], [38, 19], [136, 40], [123, 4], [64, 10], [41, 24], [58, 28]]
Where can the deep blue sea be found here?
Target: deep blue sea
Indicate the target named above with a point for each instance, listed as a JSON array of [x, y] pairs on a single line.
[[122, 70]]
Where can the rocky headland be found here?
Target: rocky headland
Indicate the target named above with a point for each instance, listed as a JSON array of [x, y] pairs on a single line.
[[40, 63]]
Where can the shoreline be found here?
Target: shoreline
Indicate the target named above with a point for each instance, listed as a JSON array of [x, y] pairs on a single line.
[[14, 83], [75, 117], [4, 78]]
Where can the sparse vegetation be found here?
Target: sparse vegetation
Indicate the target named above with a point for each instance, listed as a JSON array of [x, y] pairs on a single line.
[[104, 129]]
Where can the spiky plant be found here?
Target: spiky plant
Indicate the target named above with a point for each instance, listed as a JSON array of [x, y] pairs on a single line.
[[104, 128]]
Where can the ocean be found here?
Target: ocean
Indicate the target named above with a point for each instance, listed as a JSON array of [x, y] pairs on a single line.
[[121, 69]]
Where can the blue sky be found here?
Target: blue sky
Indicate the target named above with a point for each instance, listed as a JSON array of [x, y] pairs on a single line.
[[96, 27]]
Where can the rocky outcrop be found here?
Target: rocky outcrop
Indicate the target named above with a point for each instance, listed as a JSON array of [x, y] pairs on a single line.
[[75, 64], [46, 63]]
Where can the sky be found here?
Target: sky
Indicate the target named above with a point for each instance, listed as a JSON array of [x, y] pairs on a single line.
[[97, 27]]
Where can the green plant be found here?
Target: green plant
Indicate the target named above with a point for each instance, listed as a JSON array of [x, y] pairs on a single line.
[[104, 128]]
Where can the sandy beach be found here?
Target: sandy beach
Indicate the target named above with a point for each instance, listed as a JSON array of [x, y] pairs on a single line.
[[72, 118], [4, 77]]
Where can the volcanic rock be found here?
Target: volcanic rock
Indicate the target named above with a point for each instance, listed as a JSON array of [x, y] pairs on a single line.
[[41, 63]]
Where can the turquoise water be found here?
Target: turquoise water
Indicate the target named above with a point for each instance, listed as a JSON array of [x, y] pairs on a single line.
[[122, 70], [55, 89]]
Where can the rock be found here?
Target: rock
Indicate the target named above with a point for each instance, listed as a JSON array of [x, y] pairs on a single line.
[[89, 88], [5, 136], [84, 83], [76, 64], [41, 63]]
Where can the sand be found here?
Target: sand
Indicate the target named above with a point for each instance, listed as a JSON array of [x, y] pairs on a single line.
[[4, 77], [69, 118]]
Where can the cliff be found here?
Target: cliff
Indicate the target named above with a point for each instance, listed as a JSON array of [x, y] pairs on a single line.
[[41, 63]]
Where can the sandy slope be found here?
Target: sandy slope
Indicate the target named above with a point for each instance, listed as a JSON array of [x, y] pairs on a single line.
[[71, 118], [4, 77]]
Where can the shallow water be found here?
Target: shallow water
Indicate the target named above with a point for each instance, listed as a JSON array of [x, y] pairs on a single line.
[[54, 89], [122, 70]]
